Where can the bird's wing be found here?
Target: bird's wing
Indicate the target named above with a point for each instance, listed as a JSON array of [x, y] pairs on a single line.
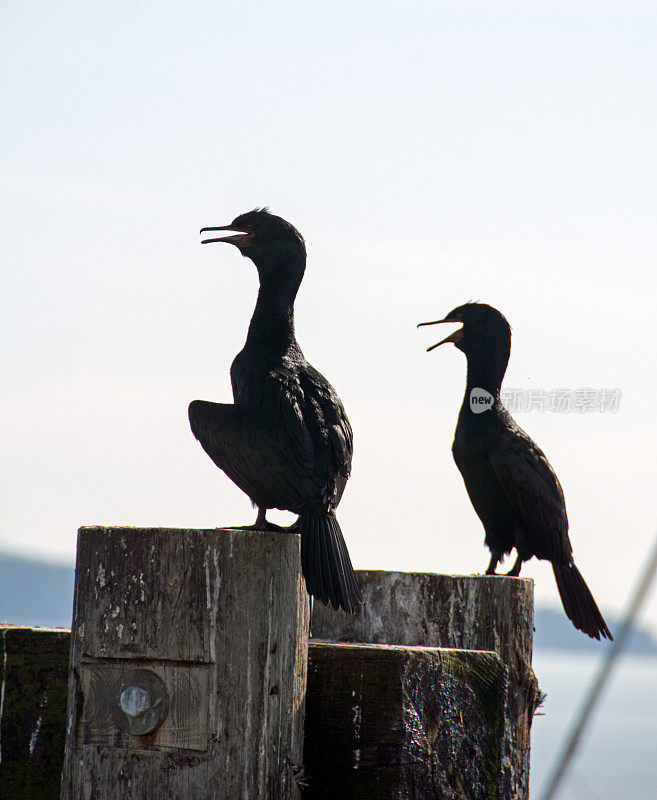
[[220, 428], [302, 437], [290, 448], [332, 430], [533, 489], [285, 411], [267, 454]]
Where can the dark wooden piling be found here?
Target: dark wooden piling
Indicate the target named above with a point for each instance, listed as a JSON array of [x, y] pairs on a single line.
[[475, 612], [403, 723], [33, 686], [188, 665]]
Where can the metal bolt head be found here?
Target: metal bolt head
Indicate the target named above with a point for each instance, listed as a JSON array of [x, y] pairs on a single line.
[[135, 701], [141, 702]]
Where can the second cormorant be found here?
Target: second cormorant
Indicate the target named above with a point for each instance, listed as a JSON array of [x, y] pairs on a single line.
[[510, 482], [286, 441]]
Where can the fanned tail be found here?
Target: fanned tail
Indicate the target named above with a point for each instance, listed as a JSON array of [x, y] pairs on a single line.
[[325, 562], [578, 602]]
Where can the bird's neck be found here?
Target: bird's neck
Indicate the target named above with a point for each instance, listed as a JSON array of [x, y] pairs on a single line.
[[482, 396], [485, 376], [486, 368], [272, 323]]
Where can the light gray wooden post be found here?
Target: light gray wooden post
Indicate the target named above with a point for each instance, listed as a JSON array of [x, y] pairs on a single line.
[[468, 612], [188, 666]]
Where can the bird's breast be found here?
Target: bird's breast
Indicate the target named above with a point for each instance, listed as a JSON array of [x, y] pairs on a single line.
[[250, 373]]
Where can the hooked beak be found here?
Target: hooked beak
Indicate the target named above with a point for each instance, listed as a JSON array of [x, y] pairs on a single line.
[[240, 239], [453, 337]]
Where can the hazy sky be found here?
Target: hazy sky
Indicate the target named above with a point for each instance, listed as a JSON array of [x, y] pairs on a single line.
[[430, 153]]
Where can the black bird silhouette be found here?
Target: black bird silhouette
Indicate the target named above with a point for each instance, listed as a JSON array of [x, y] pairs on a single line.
[[510, 482], [286, 441]]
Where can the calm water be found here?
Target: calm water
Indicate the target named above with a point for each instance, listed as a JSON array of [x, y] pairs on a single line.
[[617, 756]]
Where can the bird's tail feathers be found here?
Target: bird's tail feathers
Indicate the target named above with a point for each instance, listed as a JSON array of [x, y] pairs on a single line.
[[578, 603], [325, 562]]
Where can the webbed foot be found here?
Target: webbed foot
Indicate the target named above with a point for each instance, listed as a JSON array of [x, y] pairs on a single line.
[[263, 524], [494, 561]]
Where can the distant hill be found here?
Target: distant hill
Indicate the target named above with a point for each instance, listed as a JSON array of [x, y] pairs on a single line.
[[553, 629], [34, 592]]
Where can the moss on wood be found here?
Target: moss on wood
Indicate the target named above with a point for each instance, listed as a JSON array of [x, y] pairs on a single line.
[[403, 723]]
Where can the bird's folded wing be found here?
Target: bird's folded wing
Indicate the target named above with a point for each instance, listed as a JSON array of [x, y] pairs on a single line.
[[332, 429], [285, 413], [533, 490]]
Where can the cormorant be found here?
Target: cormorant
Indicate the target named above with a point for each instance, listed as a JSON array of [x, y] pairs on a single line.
[[510, 482], [286, 441]]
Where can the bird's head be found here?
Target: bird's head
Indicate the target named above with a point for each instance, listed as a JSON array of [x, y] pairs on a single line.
[[269, 241], [484, 331]]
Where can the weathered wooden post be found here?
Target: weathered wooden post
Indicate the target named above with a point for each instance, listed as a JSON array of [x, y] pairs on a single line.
[[33, 680], [474, 612], [187, 667], [403, 723]]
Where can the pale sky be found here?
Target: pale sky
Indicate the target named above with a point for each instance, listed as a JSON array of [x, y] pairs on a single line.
[[430, 153]]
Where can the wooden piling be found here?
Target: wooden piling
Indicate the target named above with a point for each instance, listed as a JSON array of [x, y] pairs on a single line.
[[188, 666], [33, 681], [403, 723], [475, 612]]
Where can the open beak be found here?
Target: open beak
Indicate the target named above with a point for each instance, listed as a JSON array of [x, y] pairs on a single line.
[[240, 239], [453, 337]]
